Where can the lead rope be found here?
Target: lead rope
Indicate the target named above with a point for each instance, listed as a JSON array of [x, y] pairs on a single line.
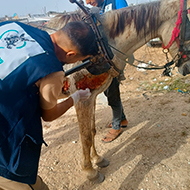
[[140, 67], [167, 67]]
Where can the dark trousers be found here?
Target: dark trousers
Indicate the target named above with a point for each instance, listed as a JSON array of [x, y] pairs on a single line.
[[114, 100]]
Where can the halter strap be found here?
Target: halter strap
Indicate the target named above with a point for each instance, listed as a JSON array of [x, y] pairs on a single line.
[[176, 30], [103, 47]]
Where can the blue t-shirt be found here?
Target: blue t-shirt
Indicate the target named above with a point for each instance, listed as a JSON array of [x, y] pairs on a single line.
[[108, 5], [120, 4], [26, 55]]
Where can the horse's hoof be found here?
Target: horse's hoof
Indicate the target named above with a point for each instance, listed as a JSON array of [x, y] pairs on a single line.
[[104, 163], [99, 178]]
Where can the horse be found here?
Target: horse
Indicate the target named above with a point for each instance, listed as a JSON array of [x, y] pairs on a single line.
[[126, 29]]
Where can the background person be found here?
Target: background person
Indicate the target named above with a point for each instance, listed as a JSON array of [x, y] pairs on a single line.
[[113, 93], [31, 79]]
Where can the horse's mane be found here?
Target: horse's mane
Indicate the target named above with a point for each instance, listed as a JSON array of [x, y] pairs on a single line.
[[61, 19], [144, 16]]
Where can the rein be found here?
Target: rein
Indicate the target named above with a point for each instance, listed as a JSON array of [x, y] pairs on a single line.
[[166, 72]]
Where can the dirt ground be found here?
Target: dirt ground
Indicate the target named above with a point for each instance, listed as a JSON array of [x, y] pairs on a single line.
[[152, 153]]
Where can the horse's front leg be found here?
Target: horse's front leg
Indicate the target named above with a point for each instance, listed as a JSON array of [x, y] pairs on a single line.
[[85, 114], [98, 160]]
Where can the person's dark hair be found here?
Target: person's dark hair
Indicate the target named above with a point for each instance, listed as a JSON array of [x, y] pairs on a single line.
[[82, 35]]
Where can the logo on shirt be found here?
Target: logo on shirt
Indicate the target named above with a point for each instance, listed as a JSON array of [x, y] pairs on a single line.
[[11, 39], [1, 61], [16, 46], [108, 7]]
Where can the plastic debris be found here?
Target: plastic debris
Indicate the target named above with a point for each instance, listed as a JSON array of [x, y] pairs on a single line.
[[166, 87], [182, 91], [141, 65]]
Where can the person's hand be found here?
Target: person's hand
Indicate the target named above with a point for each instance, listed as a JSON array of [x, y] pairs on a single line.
[[80, 95]]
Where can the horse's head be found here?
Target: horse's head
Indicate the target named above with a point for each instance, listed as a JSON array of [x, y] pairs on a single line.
[[176, 28], [184, 69], [184, 64]]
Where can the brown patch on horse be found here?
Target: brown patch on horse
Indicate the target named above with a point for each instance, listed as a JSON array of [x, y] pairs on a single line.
[[65, 85], [144, 16], [92, 81]]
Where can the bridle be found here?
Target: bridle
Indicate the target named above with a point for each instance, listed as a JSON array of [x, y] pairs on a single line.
[[104, 49], [179, 36]]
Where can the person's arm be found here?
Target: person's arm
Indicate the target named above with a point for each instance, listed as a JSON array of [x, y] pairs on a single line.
[[60, 108], [50, 87], [57, 110]]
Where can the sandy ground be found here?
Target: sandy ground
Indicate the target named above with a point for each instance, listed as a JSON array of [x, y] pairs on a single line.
[[152, 153]]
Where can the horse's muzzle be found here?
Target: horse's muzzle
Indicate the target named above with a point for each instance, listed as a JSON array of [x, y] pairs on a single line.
[[184, 69]]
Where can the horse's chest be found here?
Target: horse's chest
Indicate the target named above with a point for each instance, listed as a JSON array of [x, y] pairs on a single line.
[[86, 81]]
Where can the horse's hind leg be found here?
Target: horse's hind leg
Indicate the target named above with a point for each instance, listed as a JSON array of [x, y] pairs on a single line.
[[85, 112]]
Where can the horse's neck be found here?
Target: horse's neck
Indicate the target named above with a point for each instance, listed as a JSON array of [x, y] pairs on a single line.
[[169, 9], [131, 39]]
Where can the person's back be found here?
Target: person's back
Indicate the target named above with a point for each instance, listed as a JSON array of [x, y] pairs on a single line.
[[28, 57]]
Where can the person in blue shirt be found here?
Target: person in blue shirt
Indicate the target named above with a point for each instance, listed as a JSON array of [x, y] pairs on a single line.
[[31, 80], [107, 5], [113, 93]]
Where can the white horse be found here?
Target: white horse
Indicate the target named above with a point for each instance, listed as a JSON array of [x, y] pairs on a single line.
[[127, 30]]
